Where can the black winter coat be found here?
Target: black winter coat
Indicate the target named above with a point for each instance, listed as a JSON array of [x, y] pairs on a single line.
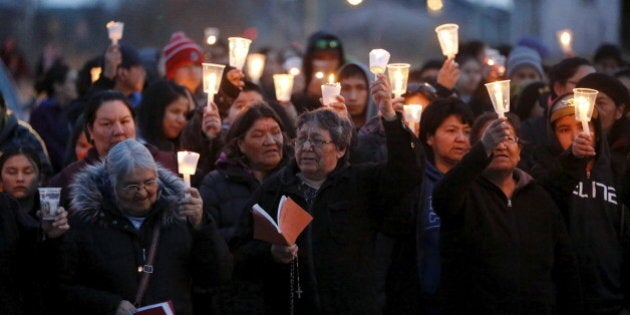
[[336, 262], [102, 251], [500, 255]]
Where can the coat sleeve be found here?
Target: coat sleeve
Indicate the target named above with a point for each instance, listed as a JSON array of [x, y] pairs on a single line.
[[211, 196], [211, 259], [403, 169], [449, 193]]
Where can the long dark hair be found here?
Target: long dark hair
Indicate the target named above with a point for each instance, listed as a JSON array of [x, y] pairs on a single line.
[[151, 112]]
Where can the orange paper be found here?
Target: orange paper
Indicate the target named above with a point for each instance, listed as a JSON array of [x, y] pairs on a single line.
[[292, 220]]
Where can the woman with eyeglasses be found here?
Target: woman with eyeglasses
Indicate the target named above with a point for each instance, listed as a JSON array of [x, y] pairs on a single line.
[[332, 261], [165, 110], [135, 219], [504, 245]]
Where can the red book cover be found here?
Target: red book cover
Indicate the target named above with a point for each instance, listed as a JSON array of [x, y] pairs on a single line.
[[164, 308], [291, 221]]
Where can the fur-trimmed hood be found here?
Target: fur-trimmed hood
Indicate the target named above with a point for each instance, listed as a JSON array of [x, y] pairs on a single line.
[[93, 196]]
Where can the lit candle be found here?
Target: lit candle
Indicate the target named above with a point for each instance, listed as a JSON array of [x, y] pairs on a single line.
[[187, 164], [398, 74], [212, 74], [412, 114], [331, 78], [449, 39], [319, 75], [499, 92], [584, 103], [212, 35], [565, 38], [255, 66], [330, 92], [95, 73], [239, 47], [115, 31], [283, 84], [378, 61]]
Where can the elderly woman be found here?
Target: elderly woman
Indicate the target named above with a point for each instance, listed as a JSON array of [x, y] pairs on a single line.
[[330, 269], [109, 119], [505, 249], [136, 220], [255, 148]]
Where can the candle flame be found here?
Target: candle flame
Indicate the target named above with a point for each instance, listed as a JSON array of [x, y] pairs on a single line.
[[565, 38], [331, 78], [319, 75]]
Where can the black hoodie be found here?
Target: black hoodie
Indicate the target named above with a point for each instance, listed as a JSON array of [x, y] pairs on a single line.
[[594, 214]]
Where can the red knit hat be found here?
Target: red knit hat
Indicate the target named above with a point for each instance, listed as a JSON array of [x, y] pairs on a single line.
[[180, 51]]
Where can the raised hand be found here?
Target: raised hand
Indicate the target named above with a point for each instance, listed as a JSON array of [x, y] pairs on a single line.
[[211, 121], [448, 74], [191, 207], [583, 146], [498, 131], [382, 93]]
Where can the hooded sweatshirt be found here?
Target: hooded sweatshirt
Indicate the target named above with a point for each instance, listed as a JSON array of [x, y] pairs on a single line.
[[371, 110], [594, 214]]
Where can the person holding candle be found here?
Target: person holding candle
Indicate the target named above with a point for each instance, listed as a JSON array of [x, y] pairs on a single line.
[[413, 276], [589, 187], [335, 253], [165, 110], [355, 82], [121, 204], [20, 176], [324, 55], [109, 119], [122, 71], [563, 77], [501, 254]]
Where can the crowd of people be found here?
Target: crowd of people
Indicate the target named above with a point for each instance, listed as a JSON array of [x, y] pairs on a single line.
[[471, 212]]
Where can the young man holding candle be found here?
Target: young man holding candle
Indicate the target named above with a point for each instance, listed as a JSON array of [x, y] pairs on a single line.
[[355, 83], [590, 196]]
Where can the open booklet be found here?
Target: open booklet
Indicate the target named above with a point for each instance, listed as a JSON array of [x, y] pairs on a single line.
[[164, 308], [291, 221]]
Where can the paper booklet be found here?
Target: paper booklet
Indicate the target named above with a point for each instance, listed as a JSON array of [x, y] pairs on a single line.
[[291, 221], [164, 308]]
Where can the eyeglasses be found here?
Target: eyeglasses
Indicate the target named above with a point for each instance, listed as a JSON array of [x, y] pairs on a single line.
[[511, 139], [316, 143], [135, 188], [327, 44]]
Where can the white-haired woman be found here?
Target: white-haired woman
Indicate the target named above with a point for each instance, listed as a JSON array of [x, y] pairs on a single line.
[[121, 205]]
